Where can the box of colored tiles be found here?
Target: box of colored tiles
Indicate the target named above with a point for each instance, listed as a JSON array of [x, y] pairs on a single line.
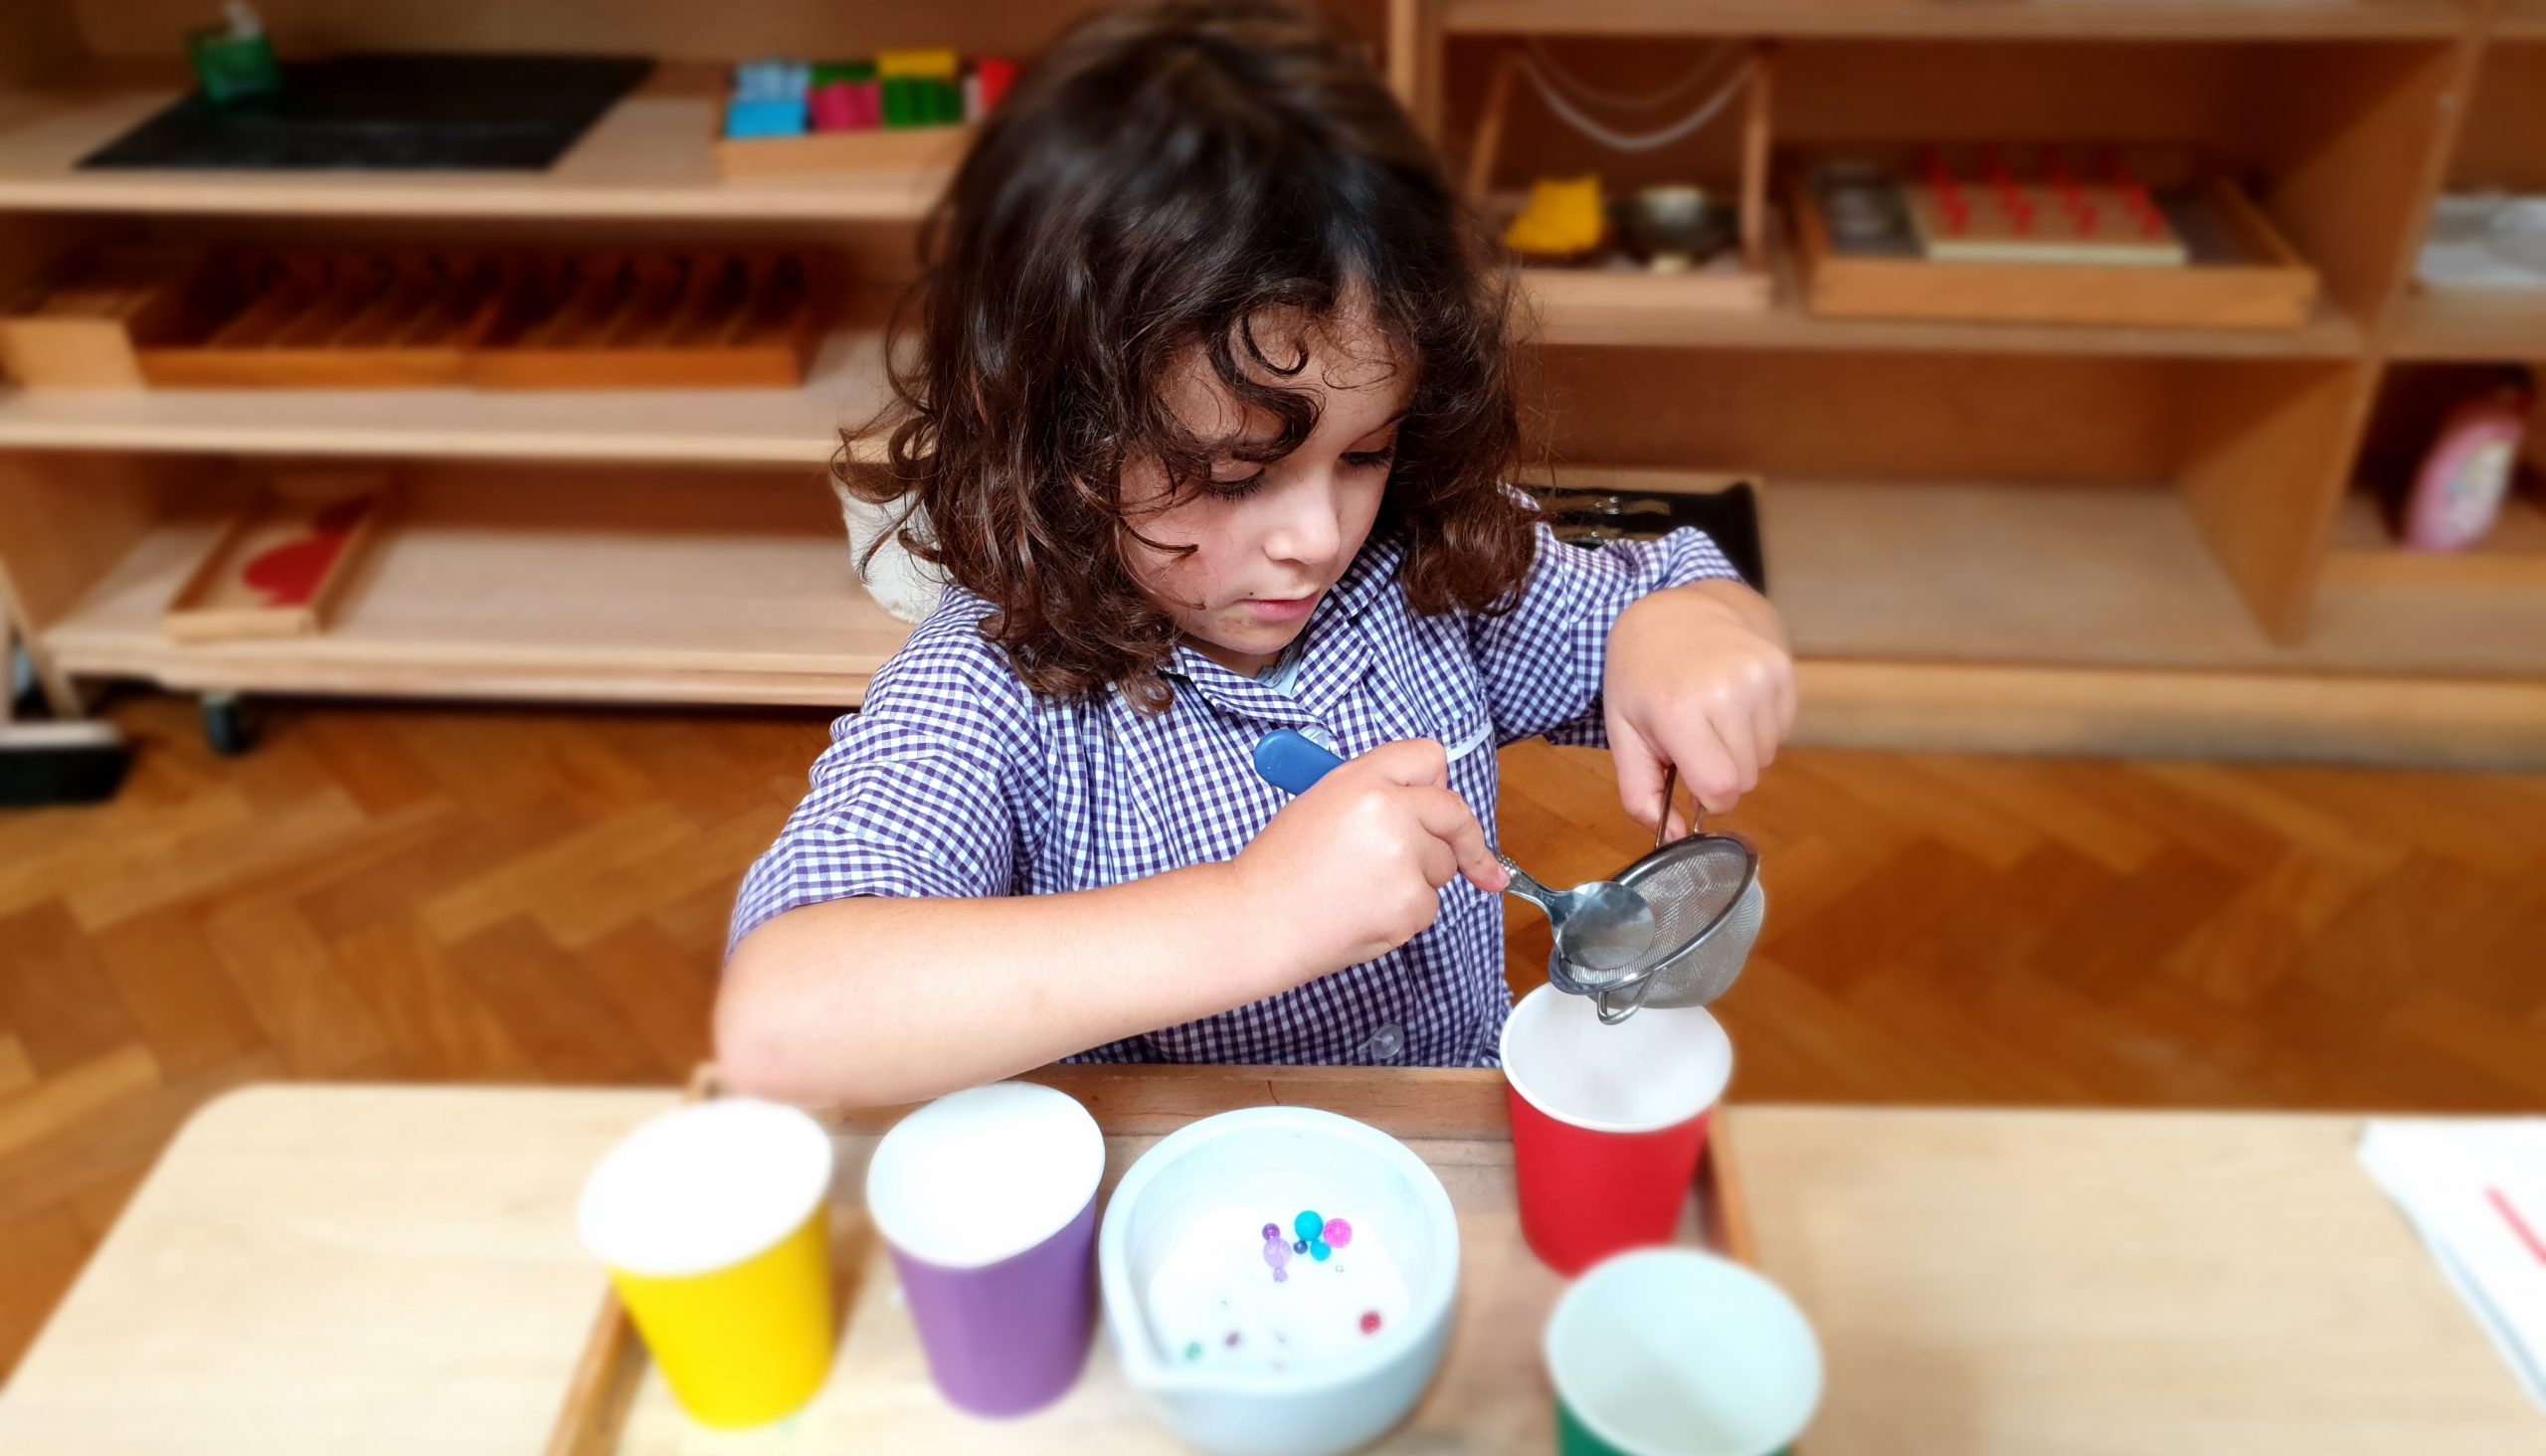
[[894, 112]]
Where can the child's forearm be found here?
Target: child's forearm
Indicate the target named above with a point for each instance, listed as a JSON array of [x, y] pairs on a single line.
[[868, 1001]]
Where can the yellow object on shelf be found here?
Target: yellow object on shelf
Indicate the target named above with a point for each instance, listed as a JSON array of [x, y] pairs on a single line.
[[1563, 220], [929, 65]]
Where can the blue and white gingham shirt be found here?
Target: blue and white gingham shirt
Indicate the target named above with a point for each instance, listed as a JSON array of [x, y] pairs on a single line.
[[956, 781]]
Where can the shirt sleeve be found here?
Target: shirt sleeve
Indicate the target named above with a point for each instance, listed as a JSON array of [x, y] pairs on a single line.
[[928, 791], [1542, 661]]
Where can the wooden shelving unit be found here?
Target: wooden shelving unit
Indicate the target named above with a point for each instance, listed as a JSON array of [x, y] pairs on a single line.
[[2006, 537]]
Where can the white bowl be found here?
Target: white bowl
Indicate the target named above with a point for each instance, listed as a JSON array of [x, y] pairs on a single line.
[[1285, 1158]]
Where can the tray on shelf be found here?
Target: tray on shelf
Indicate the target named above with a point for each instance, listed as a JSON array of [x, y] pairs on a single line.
[[695, 318], [1490, 1390], [386, 318], [2208, 257], [284, 562], [410, 318]]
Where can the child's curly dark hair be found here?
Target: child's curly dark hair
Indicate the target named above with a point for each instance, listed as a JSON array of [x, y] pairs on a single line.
[[1165, 178]]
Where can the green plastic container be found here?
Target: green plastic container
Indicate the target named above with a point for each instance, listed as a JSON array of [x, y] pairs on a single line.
[[232, 67]]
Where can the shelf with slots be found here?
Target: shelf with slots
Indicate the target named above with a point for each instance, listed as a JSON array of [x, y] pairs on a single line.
[[845, 385], [647, 157], [515, 583], [2472, 324], [1977, 19], [798, 427], [1594, 308]]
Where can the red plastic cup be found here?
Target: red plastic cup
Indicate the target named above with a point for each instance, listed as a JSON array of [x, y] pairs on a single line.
[[1607, 1122]]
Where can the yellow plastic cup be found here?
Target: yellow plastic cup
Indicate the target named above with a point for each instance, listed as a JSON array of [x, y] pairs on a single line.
[[714, 1222]]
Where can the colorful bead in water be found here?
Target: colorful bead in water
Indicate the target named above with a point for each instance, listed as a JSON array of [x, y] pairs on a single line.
[[1338, 1232], [1370, 1321], [1319, 1251], [1272, 1230], [1193, 1350], [1299, 1246], [1306, 1224], [1276, 1254]]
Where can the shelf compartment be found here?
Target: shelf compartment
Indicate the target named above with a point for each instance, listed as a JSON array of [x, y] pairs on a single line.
[[2366, 557], [521, 583], [2089, 578], [648, 157], [2472, 325], [2085, 20]]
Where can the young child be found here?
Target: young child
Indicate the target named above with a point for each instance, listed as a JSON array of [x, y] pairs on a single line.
[[1208, 431]]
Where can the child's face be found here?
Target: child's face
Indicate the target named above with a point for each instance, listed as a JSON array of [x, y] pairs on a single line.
[[1269, 540]]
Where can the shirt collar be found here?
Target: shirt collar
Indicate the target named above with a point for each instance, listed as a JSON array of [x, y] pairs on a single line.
[[1332, 652]]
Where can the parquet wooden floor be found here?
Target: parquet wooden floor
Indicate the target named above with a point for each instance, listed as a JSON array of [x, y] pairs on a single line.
[[454, 895]]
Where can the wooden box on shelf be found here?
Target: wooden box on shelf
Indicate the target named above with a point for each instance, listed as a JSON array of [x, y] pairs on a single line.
[[739, 318], [877, 149], [75, 327], [282, 564], [2240, 274], [343, 319]]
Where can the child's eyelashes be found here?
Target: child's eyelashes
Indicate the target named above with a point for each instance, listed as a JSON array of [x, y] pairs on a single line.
[[1228, 487]]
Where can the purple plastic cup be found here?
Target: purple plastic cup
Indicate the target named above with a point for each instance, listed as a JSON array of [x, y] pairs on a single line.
[[988, 1200]]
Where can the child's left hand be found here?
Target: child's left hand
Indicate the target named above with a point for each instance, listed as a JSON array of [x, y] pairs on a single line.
[[1700, 676]]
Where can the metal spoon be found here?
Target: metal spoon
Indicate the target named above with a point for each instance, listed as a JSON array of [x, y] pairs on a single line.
[[1600, 926]]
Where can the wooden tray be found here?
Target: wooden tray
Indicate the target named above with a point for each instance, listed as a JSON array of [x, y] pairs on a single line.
[[282, 566], [1492, 1394], [338, 318], [881, 149], [2267, 285], [706, 318]]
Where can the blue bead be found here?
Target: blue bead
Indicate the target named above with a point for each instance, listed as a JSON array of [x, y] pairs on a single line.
[[1306, 1224], [1299, 1246], [1319, 1251]]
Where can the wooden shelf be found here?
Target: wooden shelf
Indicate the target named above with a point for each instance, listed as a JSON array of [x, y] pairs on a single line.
[[733, 426], [2097, 576], [2522, 20], [2086, 20], [2511, 557], [1570, 315], [2472, 324], [506, 582], [648, 157]]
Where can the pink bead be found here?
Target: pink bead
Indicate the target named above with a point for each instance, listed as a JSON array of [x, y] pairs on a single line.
[[1338, 1232]]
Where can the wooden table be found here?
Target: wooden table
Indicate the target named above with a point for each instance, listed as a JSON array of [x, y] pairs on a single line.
[[385, 1270]]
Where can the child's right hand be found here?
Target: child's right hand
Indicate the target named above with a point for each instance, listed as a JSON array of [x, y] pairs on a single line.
[[1354, 868]]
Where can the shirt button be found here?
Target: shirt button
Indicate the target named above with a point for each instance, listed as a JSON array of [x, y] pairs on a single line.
[[1384, 1043]]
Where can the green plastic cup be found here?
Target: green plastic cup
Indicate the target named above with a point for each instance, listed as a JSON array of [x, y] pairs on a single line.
[[1679, 1353]]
